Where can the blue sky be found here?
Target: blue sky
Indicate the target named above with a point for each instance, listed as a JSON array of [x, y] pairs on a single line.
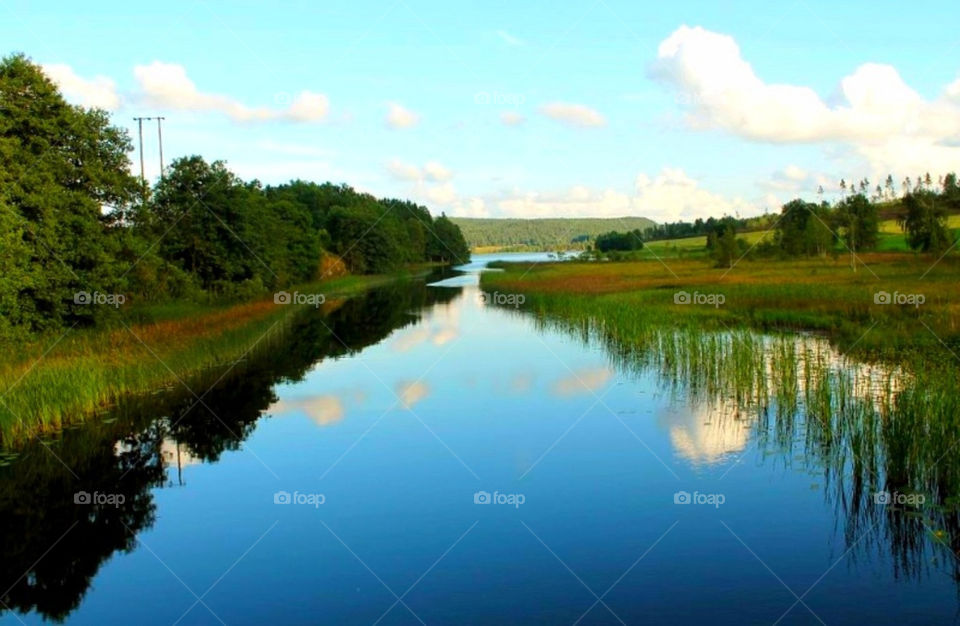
[[587, 107]]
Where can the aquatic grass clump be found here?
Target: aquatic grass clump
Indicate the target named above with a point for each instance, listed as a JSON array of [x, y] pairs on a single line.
[[873, 405], [821, 295], [67, 379]]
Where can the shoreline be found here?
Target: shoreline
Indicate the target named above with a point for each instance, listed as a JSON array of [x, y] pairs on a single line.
[[67, 380]]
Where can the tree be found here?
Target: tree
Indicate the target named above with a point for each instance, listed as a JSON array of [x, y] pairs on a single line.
[[446, 242], [723, 243], [198, 212], [73, 220], [63, 168], [924, 221], [361, 241], [951, 192], [802, 229], [858, 218], [625, 242], [15, 274]]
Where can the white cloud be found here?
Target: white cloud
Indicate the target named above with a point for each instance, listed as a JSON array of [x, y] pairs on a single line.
[[885, 121], [672, 195], [99, 92], [577, 201], [584, 381], [669, 196], [411, 393], [953, 90], [166, 85], [430, 184], [437, 172], [794, 173], [431, 171], [472, 207], [404, 171], [795, 179], [442, 195], [573, 114], [308, 107], [512, 118], [400, 117]]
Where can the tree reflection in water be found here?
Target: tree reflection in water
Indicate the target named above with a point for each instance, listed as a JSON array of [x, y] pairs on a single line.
[[53, 547]]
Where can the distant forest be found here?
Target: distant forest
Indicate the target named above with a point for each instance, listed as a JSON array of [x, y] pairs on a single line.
[[543, 233]]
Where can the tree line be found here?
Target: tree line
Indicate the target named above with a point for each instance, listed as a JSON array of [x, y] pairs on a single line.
[[73, 220], [815, 229], [850, 225], [553, 233]]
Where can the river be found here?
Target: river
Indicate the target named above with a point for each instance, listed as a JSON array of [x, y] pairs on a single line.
[[428, 453]]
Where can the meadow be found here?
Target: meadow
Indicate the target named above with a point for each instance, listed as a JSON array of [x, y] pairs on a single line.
[[813, 294]]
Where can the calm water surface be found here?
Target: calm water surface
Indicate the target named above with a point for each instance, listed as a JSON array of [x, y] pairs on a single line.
[[420, 456]]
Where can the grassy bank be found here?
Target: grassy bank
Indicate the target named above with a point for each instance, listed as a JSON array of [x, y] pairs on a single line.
[[809, 294], [67, 378], [878, 408]]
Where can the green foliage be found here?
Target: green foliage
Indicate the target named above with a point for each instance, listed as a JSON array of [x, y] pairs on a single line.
[[859, 220], [447, 243], [924, 222], [73, 220], [542, 233], [632, 240], [723, 243], [803, 229], [61, 166]]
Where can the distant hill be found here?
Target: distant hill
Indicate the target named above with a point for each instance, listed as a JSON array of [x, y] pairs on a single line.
[[542, 233]]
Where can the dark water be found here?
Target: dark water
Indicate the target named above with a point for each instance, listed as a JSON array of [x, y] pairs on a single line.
[[420, 456]]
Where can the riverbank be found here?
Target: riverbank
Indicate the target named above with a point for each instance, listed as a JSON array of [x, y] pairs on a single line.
[[66, 379], [893, 304]]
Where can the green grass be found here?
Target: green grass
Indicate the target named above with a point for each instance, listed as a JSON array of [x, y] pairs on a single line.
[[878, 409], [810, 294], [66, 378]]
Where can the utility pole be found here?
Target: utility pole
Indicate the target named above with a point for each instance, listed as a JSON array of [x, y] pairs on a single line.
[[140, 121], [160, 141]]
